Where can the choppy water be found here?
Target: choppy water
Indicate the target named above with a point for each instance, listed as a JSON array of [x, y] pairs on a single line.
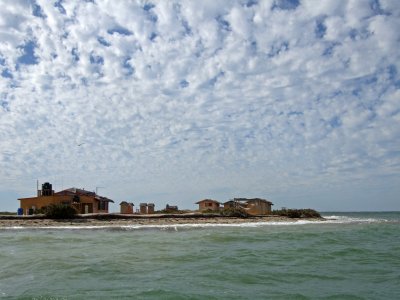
[[354, 256]]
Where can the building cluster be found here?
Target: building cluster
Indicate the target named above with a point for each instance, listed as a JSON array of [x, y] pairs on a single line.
[[144, 208], [86, 202], [253, 206]]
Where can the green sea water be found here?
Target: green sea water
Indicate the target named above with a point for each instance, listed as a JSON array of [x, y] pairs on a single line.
[[350, 256]]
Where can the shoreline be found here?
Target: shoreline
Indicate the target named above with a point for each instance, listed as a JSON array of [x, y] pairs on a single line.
[[118, 220]]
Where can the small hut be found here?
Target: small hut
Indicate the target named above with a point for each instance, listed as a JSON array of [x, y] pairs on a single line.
[[208, 204], [143, 208], [253, 206], [171, 208], [126, 208], [150, 208]]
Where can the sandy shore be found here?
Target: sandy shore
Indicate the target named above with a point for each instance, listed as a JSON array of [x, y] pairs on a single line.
[[29, 222]]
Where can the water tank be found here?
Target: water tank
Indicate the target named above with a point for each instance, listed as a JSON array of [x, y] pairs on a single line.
[[47, 189]]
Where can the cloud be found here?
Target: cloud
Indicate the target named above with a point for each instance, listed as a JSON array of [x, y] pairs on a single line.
[[186, 99]]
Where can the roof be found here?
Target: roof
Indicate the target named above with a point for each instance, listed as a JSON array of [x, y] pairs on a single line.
[[79, 192], [208, 200], [236, 203], [126, 203], [82, 192], [251, 200]]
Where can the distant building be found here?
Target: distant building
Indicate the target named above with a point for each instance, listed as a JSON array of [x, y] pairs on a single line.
[[126, 208], [208, 204], [84, 202], [150, 208], [146, 208], [253, 206], [143, 208], [234, 204], [171, 208]]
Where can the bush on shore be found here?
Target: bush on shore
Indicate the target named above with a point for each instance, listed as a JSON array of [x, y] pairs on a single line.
[[7, 213], [175, 212], [234, 212], [59, 211], [297, 213]]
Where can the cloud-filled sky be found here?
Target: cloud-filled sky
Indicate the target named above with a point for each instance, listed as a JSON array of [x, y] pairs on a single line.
[[174, 101]]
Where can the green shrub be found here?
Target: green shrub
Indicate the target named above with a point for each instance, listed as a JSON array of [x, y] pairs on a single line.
[[59, 211], [165, 211], [7, 213], [234, 212], [40, 211], [297, 213], [310, 213], [209, 211]]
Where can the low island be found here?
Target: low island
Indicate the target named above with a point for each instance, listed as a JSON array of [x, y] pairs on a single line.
[[157, 219], [80, 207]]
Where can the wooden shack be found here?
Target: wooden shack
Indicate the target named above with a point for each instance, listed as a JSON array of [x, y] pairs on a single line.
[[126, 208], [253, 206], [208, 204], [150, 208], [143, 208]]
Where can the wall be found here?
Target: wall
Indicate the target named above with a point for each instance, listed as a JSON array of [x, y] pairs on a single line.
[[258, 207], [143, 208], [208, 205], [150, 208], [126, 209]]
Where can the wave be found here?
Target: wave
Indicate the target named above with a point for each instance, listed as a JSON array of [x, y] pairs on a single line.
[[338, 219], [329, 219], [169, 226], [165, 226]]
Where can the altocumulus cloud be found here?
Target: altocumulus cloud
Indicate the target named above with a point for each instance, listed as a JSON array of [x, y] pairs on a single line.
[[173, 101]]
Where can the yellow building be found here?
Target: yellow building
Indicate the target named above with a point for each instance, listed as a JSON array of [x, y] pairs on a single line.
[[84, 202]]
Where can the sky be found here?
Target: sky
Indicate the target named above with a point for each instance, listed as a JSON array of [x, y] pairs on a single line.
[[171, 102]]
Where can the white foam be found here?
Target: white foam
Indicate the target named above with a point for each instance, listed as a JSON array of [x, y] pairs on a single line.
[[171, 226], [352, 219], [333, 219]]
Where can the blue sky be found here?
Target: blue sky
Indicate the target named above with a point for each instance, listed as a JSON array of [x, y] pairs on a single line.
[[175, 101]]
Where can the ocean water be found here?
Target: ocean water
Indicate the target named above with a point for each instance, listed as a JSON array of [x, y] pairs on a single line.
[[350, 256]]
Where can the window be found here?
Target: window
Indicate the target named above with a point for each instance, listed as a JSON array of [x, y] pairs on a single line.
[[103, 205]]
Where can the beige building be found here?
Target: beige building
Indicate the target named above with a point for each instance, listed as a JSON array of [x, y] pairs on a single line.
[[147, 208], [171, 208], [143, 208], [84, 202], [253, 206], [208, 204], [126, 208], [150, 208]]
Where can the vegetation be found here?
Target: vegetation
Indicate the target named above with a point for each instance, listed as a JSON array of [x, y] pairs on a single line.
[[171, 211], [7, 213], [40, 211], [209, 211], [234, 212], [297, 213], [59, 211]]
